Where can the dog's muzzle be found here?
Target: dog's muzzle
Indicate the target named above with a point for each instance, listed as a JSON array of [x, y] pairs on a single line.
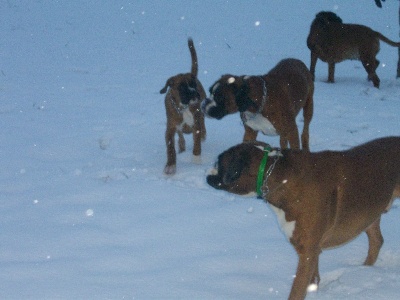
[[211, 109], [206, 105]]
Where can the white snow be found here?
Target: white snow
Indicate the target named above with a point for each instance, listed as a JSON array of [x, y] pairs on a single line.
[[86, 212]]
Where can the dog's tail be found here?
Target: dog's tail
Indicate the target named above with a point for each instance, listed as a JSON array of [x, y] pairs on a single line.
[[193, 54], [386, 40]]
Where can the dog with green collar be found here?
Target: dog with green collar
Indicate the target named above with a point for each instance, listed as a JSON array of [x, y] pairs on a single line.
[[322, 199]]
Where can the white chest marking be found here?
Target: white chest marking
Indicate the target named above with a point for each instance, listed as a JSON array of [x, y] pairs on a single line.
[[187, 119], [287, 227], [257, 122]]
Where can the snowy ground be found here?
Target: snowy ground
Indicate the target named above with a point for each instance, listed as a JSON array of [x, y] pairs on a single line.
[[85, 211]]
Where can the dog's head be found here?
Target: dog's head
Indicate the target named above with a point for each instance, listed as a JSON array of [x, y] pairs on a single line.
[[236, 169], [324, 18], [184, 88], [231, 94], [222, 100]]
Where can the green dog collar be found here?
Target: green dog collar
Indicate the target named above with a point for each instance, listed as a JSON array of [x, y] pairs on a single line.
[[261, 170]]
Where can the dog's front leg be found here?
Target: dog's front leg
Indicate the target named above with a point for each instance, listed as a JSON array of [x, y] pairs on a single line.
[[202, 126], [181, 142], [308, 111], [305, 274], [249, 134], [314, 58], [197, 140], [170, 167], [331, 72], [291, 136]]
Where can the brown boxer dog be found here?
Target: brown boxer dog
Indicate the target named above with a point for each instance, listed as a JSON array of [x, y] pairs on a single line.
[[322, 200], [268, 103], [182, 105], [332, 41]]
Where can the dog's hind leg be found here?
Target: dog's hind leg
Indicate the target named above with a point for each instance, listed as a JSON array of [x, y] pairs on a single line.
[[375, 241], [370, 65]]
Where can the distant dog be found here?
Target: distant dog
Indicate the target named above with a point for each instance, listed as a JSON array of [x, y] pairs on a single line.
[[182, 104], [322, 200], [268, 103], [332, 41]]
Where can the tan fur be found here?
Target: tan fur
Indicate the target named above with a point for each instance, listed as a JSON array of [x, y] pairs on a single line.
[[184, 95], [332, 41], [330, 197], [289, 88]]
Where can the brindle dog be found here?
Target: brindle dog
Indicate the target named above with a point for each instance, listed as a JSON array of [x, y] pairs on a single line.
[[182, 105], [333, 41]]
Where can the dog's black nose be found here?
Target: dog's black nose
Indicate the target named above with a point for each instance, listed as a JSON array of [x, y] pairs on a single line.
[[214, 181]]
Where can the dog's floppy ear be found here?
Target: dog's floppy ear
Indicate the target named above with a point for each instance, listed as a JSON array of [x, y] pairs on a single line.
[[235, 168], [167, 84], [243, 101]]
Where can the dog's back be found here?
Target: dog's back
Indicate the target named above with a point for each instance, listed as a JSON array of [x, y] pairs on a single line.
[[376, 162], [362, 182], [336, 41], [333, 41], [290, 80], [293, 72]]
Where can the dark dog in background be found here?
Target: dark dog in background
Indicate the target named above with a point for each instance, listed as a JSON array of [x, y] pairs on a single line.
[[333, 41], [322, 200], [182, 104], [268, 103]]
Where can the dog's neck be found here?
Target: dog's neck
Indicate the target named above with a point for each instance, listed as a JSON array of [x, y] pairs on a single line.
[[263, 176], [256, 120], [178, 106], [264, 95]]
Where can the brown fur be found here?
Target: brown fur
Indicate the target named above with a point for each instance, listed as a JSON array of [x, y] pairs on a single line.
[[183, 99], [289, 88], [332, 196], [332, 41]]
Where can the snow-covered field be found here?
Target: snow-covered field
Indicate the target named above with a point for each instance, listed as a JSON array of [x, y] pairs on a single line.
[[85, 210]]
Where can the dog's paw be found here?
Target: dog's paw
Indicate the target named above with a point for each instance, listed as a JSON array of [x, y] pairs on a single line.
[[196, 159], [170, 170]]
